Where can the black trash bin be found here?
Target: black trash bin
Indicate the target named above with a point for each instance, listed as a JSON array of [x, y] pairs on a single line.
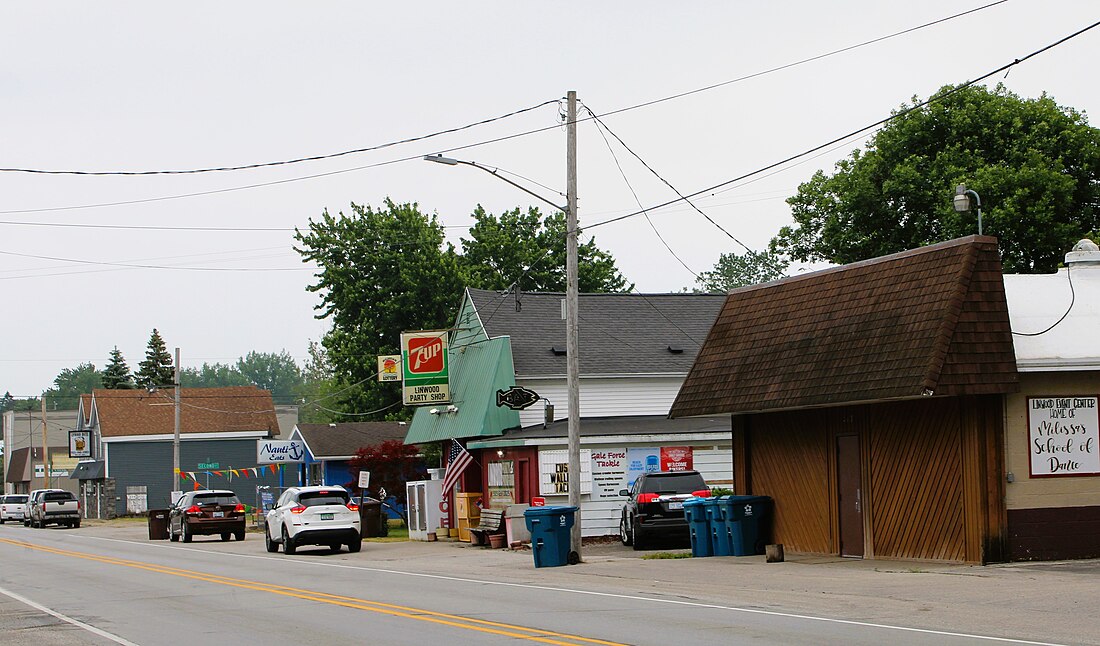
[[158, 524], [371, 518]]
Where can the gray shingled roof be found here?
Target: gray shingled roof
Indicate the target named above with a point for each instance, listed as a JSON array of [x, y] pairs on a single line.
[[327, 441], [619, 334]]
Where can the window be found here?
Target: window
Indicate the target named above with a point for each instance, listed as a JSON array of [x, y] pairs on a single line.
[[216, 499], [317, 498]]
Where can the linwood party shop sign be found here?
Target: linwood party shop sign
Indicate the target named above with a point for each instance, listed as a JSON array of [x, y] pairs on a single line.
[[424, 368], [1064, 434]]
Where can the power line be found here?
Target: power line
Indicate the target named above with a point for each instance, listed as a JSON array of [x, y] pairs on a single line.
[[286, 162], [488, 141], [897, 115], [137, 266]]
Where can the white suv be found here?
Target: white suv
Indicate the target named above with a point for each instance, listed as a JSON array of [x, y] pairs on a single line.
[[313, 516]]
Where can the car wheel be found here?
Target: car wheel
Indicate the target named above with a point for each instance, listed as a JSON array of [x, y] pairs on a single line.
[[624, 535], [271, 545], [184, 534], [172, 536], [334, 548], [2, 521], [225, 537], [288, 543], [239, 535], [26, 522], [637, 536], [355, 545], [76, 524]]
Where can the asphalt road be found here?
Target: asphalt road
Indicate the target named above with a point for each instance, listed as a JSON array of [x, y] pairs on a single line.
[[98, 585]]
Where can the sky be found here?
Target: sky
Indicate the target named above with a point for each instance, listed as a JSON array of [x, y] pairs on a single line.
[[207, 258]]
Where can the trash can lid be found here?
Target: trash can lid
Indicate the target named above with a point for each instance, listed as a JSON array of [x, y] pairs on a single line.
[[549, 511]]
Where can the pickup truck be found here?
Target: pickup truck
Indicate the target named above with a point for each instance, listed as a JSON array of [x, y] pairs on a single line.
[[52, 506]]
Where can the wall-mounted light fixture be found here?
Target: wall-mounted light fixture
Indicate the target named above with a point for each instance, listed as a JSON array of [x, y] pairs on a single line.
[[500, 453]]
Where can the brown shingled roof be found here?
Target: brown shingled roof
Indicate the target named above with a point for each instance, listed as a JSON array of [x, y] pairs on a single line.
[[202, 410], [932, 320]]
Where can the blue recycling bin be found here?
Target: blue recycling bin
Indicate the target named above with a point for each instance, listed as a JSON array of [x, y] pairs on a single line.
[[721, 541], [745, 519], [695, 512], [550, 540]]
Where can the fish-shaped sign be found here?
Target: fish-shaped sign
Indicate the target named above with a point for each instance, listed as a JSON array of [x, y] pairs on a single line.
[[517, 397]]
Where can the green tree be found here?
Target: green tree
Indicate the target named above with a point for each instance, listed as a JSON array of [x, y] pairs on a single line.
[[7, 402], [157, 368], [277, 373], [116, 376], [733, 271], [380, 272], [217, 375], [529, 247], [391, 464], [70, 384], [1035, 164]]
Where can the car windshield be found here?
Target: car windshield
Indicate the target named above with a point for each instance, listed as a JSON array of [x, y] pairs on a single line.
[[316, 498], [59, 495], [216, 499], [16, 499], [678, 483]]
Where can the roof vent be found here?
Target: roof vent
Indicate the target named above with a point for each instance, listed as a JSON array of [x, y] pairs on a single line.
[[675, 349], [560, 352], [1084, 252]]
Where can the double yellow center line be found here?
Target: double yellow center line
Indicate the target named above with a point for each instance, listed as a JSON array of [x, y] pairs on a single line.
[[419, 614]]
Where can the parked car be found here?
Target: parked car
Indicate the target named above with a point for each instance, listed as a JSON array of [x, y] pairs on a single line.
[[52, 506], [13, 507], [655, 506], [313, 516], [206, 513]]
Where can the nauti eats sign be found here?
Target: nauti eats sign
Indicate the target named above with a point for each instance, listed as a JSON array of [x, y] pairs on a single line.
[[424, 368]]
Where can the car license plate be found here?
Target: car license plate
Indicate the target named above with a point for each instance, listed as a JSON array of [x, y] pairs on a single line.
[[219, 514], [327, 516], [675, 504]]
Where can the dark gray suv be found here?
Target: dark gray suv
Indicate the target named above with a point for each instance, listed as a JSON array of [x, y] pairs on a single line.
[[656, 506]]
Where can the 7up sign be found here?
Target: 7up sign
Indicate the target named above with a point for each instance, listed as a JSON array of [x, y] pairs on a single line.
[[424, 368]]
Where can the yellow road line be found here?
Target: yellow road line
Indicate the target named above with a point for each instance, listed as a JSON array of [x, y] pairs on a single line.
[[419, 614]]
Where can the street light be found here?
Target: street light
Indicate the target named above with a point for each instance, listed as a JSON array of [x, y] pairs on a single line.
[[572, 359], [962, 202]]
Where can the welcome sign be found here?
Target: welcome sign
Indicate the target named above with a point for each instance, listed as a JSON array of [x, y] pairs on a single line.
[[1063, 436]]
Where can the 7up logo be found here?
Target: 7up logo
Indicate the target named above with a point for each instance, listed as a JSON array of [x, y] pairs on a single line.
[[425, 355]]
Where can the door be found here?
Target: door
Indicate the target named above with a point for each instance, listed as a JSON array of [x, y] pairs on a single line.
[[849, 496]]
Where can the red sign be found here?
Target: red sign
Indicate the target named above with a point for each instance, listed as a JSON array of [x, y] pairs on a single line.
[[425, 355], [676, 458], [538, 501]]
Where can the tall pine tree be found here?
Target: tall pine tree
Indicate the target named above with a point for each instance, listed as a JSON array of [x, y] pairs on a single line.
[[116, 376], [156, 369]]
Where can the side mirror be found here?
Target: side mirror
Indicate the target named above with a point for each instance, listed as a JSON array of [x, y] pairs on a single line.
[[624, 492]]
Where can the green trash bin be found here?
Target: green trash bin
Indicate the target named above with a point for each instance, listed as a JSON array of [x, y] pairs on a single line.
[[550, 540], [747, 521], [158, 524], [695, 512]]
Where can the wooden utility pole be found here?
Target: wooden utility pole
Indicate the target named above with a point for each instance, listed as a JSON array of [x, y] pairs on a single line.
[[571, 302], [45, 447]]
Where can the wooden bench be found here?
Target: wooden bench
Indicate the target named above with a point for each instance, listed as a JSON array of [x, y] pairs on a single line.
[[492, 522]]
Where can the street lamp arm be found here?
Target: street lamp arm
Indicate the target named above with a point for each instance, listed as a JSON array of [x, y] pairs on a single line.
[[439, 159]]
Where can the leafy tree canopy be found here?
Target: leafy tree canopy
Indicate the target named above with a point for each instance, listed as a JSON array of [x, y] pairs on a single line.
[[275, 372], [1035, 164], [381, 271], [216, 375], [391, 464], [733, 271], [70, 384], [157, 368], [116, 376], [529, 247]]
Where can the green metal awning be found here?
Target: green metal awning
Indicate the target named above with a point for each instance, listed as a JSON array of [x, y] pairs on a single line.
[[478, 369]]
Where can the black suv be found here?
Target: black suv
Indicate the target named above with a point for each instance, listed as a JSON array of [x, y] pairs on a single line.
[[656, 506]]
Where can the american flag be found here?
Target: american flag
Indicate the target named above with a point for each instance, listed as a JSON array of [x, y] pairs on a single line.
[[457, 461]]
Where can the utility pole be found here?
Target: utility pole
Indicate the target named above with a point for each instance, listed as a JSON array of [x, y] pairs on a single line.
[[573, 364], [176, 435], [45, 447]]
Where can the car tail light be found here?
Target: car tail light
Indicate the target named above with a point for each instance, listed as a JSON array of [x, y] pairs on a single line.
[[644, 498], [239, 508], [353, 506], [193, 509], [297, 510], [702, 493]]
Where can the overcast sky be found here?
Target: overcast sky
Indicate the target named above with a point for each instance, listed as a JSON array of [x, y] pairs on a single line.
[[155, 86]]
